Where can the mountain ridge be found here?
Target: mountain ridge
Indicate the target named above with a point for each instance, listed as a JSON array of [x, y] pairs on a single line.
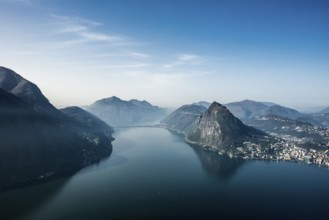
[[183, 118], [29, 92], [247, 109], [118, 112], [39, 142]]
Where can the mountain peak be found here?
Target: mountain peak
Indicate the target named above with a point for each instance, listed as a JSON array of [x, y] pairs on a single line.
[[219, 109], [27, 91], [216, 105], [219, 128], [112, 99], [248, 101]]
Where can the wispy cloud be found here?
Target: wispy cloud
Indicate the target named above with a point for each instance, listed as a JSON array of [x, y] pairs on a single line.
[[62, 19], [187, 59], [73, 28], [122, 66], [128, 54], [84, 30], [94, 36], [137, 54]]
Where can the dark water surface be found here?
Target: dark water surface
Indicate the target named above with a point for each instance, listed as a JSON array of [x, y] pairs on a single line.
[[153, 174]]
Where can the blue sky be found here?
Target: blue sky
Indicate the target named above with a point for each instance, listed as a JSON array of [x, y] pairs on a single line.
[[170, 52]]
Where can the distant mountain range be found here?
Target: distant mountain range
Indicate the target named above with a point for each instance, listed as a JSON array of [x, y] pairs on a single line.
[[118, 112], [248, 109], [217, 128], [307, 134], [39, 142]]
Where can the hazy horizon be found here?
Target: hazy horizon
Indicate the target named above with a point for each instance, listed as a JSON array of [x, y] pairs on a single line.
[[170, 53]]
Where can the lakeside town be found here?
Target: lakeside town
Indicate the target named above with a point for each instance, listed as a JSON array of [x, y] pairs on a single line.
[[280, 150]]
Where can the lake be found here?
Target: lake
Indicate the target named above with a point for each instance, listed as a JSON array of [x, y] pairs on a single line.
[[153, 174]]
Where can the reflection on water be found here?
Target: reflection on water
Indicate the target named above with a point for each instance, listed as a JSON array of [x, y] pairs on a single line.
[[222, 167], [153, 174], [18, 203]]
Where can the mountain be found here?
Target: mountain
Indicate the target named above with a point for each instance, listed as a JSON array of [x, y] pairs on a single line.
[[26, 90], [281, 111], [202, 103], [319, 119], [119, 112], [219, 129], [184, 118], [248, 109], [303, 134], [268, 103], [89, 119], [39, 142], [325, 111]]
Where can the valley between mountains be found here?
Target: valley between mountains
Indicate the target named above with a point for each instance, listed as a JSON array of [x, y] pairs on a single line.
[[40, 142]]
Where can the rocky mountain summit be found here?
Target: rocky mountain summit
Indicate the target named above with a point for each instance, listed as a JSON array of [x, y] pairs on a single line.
[[218, 128]]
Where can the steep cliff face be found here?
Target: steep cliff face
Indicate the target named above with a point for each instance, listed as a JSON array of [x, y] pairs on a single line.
[[218, 128]]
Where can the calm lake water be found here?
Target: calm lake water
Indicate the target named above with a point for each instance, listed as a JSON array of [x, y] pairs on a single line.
[[153, 174]]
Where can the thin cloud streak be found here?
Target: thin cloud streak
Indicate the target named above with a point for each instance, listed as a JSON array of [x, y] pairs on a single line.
[[129, 54], [94, 36], [123, 66], [83, 29], [62, 19], [187, 59]]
